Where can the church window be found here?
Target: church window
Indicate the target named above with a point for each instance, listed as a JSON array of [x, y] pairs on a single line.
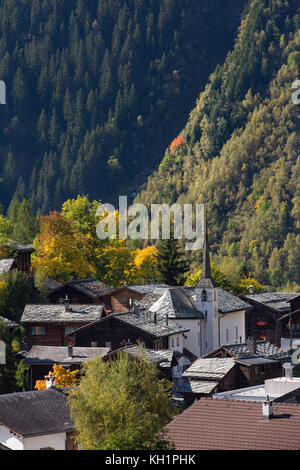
[[204, 296]]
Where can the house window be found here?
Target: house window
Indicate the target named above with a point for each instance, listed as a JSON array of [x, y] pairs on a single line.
[[173, 343], [178, 342], [204, 296], [158, 344], [69, 329], [38, 331]]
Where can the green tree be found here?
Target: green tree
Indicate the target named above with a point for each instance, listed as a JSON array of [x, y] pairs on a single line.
[[121, 405], [7, 370], [171, 262], [15, 291]]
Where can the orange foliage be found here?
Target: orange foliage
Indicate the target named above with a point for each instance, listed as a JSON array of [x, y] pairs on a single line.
[[63, 378], [177, 143]]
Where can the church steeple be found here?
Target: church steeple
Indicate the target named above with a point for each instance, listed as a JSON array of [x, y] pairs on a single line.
[[206, 279]]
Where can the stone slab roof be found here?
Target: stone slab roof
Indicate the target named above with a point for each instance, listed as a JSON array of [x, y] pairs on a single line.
[[35, 413], [197, 386], [59, 355], [211, 424], [91, 287], [9, 323], [210, 368], [161, 357], [263, 349], [56, 313], [276, 300], [180, 302], [6, 265]]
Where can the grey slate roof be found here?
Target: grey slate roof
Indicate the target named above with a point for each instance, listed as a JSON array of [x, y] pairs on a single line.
[[20, 247], [263, 349], [59, 355], [211, 368], [9, 323], [275, 300], [91, 287], [197, 386], [5, 265], [52, 284], [144, 320], [35, 413], [50, 313], [147, 288], [180, 302], [176, 304], [161, 357]]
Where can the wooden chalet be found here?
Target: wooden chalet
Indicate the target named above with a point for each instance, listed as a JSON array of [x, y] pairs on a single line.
[[256, 361], [118, 330], [18, 256], [50, 325], [263, 322]]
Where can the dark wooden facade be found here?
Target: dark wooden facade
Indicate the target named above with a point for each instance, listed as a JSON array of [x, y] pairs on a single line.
[[248, 375], [74, 295], [262, 322], [55, 334], [111, 332]]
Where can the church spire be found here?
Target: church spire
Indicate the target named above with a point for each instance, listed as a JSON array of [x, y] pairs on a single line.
[[206, 279]]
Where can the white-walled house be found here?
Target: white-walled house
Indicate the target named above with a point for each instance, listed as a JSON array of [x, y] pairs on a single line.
[[38, 420]]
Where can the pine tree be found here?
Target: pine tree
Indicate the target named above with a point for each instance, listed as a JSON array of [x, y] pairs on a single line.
[[172, 265]]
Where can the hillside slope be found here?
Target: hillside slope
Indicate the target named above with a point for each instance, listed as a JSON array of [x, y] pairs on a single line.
[[96, 90], [239, 152]]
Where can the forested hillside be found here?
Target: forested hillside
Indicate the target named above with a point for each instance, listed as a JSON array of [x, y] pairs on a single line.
[[96, 89], [239, 152]]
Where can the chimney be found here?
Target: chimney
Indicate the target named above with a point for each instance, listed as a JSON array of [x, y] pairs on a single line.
[[288, 370], [251, 289], [251, 345], [70, 350], [267, 409], [94, 344], [50, 381], [67, 304]]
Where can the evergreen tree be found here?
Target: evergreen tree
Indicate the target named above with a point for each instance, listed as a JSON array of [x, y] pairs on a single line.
[[171, 263]]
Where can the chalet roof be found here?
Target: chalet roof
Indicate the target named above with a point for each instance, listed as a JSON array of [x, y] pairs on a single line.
[[35, 413], [180, 302], [277, 301], [176, 304], [50, 313], [211, 424], [209, 369], [52, 284], [142, 320], [6, 265], [161, 357], [291, 397], [263, 349], [91, 287], [9, 323], [59, 355], [147, 288], [20, 247], [204, 387]]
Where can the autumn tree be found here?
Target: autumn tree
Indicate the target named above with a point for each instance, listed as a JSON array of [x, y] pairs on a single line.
[[63, 378], [121, 405], [61, 249]]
